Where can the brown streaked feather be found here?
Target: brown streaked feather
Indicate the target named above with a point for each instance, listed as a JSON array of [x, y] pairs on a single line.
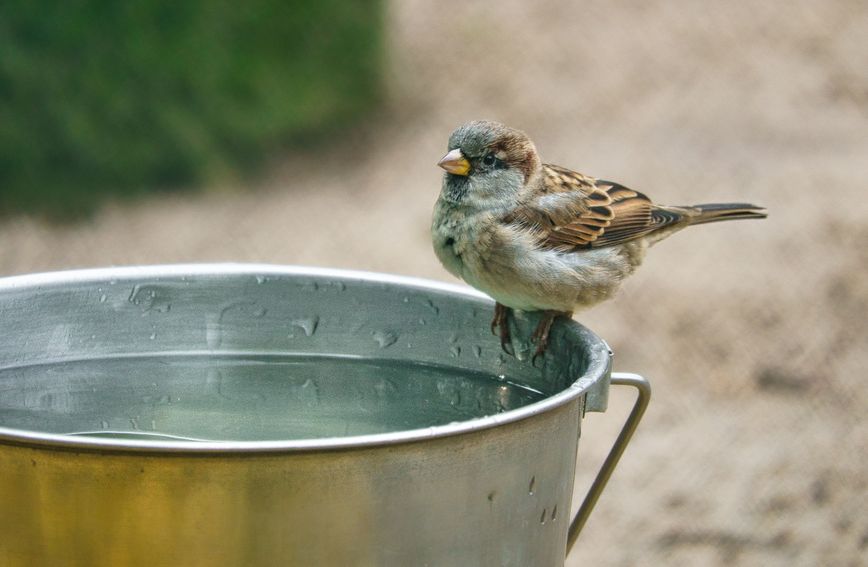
[[574, 212]]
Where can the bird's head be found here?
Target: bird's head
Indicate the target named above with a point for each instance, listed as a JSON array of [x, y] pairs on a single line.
[[487, 163]]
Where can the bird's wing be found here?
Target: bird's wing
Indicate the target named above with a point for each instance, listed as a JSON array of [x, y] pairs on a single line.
[[573, 212]]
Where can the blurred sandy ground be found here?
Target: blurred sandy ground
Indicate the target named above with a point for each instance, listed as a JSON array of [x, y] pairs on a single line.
[[754, 334]]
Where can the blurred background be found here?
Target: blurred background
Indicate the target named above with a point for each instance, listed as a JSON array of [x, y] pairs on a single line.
[[306, 132]]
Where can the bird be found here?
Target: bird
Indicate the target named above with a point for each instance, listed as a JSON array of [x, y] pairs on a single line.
[[540, 237]]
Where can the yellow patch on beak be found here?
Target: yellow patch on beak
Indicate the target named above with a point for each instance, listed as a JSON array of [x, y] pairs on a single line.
[[454, 162]]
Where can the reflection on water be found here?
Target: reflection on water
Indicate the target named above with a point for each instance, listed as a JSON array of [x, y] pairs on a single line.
[[246, 398]]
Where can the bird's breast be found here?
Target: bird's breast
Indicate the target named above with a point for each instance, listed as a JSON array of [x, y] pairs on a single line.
[[447, 236], [460, 239]]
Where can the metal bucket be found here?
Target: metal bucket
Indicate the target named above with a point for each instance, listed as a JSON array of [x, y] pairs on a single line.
[[257, 415]]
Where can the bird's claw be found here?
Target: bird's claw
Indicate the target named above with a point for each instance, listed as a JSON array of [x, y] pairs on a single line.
[[500, 328], [540, 336]]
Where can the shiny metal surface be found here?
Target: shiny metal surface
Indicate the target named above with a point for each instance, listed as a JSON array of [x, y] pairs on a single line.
[[489, 489], [643, 397]]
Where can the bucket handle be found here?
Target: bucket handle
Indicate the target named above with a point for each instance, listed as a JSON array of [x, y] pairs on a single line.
[[643, 388]]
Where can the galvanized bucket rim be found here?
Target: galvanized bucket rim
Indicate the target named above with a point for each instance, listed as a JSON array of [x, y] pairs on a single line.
[[598, 366]]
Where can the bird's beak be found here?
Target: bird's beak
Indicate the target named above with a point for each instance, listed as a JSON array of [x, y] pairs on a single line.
[[454, 162]]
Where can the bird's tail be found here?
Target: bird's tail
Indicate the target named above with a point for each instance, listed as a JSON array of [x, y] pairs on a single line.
[[714, 212]]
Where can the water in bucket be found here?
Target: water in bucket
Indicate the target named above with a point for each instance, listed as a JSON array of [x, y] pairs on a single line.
[[247, 397]]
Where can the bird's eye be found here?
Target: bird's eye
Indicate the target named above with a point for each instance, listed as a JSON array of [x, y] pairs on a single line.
[[489, 159]]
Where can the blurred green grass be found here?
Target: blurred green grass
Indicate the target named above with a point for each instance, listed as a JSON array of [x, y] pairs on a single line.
[[103, 98]]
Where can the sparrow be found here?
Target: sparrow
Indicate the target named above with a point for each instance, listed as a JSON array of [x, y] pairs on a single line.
[[540, 237]]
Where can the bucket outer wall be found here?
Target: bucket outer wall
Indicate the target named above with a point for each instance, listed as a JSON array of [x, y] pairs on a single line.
[[500, 496]]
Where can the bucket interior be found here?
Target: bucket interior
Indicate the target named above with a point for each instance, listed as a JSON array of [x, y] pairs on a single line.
[[255, 353]]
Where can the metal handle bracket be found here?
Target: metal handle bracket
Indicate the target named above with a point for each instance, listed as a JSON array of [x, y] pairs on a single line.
[[643, 388]]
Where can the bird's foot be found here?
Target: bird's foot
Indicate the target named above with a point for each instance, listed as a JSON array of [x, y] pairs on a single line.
[[540, 336], [500, 327]]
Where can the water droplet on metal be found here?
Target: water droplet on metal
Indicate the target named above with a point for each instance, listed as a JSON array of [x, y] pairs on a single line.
[[261, 279], [555, 513], [532, 485], [385, 338], [453, 338], [477, 351], [153, 335], [422, 321], [102, 298], [455, 351], [308, 325], [432, 307], [134, 295], [104, 424], [542, 518], [150, 298]]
